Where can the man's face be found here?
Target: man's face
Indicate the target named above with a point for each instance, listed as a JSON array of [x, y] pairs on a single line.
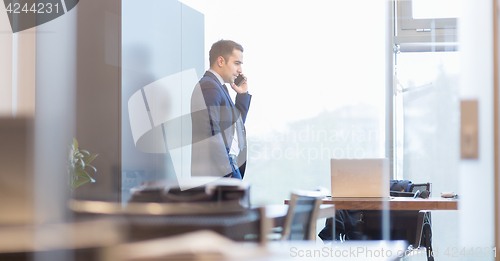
[[232, 67]]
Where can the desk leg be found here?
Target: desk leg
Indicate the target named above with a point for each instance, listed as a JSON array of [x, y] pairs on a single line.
[[313, 228]]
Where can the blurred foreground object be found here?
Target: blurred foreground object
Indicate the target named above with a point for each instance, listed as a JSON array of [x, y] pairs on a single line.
[[83, 240], [200, 245], [16, 172]]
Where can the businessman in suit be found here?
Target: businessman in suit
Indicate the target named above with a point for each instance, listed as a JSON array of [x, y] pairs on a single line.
[[218, 133]]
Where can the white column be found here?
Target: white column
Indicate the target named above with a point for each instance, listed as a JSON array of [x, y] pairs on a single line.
[[476, 176]]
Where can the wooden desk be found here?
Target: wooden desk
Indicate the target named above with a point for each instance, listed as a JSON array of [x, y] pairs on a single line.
[[393, 203]]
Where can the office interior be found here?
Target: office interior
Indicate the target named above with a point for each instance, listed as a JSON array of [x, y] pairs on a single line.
[[329, 79]]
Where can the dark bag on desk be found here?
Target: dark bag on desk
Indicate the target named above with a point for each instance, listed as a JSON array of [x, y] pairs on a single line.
[[232, 192], [400, 188]]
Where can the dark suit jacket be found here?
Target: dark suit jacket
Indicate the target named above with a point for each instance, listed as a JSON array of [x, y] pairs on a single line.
[[215, 119]]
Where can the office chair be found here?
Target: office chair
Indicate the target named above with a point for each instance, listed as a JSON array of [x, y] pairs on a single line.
[[300, 220], [422, 190]]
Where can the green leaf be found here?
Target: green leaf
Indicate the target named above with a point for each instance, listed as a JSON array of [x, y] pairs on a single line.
[[82, 173], [85, 151], [75, 143], [79, 155], [88, 165], [78, 164], [90, 158], [79, 182]]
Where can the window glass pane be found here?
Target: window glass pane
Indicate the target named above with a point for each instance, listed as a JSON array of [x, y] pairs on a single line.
[[428, 114], [427, 130], [426, 9]]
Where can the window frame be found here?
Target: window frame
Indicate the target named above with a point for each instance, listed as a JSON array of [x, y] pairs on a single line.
[[437, 34]]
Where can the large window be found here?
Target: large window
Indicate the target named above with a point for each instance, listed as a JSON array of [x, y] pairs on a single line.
[[316, 73]]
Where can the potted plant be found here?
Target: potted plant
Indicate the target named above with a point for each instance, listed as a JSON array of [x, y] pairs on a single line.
[[79, 160]]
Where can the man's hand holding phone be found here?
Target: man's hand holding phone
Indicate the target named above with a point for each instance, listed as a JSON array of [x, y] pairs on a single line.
[[240, 84]]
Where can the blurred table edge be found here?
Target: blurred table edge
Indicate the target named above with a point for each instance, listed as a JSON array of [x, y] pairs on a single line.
[[392, 203]]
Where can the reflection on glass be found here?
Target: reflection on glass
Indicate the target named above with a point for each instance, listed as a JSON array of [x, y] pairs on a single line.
[[428, 9]]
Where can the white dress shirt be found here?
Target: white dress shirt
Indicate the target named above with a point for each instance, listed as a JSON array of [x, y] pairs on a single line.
[[235, 150]]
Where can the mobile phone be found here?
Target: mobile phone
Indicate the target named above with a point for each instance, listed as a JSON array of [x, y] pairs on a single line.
[[239, 80]]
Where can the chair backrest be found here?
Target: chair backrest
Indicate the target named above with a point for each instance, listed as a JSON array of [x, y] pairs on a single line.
[[421, 187], [300, 221]]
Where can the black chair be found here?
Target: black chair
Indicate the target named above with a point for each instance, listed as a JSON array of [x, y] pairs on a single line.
[[300, 221]]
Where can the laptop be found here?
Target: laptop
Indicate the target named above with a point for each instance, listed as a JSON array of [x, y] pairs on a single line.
[[360, 177]]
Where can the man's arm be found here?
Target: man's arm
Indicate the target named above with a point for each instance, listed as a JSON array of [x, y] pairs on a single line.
[[242, 103]]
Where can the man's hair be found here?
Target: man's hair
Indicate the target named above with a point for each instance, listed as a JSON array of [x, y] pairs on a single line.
[[223, 48]]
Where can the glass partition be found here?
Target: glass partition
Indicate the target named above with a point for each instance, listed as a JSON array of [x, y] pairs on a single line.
[[317, 85]]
